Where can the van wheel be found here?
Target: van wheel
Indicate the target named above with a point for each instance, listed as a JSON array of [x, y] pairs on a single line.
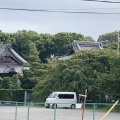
[[48, 106], [73, 106], [54, 107]]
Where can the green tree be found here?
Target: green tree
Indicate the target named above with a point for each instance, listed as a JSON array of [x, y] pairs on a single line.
[[89, 38], [63, 40], [111, 37], [7, 83], [86, 70], [6, 38], [1, 82]]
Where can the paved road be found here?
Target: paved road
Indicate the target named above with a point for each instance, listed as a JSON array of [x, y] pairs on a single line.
[[37, 113]]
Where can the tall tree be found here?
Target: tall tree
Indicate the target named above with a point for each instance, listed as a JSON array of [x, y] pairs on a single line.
[[87, 69]]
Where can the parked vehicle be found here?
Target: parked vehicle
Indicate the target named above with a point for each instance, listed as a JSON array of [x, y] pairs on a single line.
[[61, 99]]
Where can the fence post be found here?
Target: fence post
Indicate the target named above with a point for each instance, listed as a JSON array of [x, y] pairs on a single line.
[[94, 106], [55, 112], [16, 111], [28, 111], [25, 98]]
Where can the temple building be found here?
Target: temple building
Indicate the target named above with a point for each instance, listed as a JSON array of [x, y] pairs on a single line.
[[80, 45], [10, 62], [85, 45]]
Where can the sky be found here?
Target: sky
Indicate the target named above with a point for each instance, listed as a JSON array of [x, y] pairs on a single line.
[[86, 24]]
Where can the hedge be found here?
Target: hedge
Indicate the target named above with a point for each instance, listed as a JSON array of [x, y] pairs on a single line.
[[14, 94]]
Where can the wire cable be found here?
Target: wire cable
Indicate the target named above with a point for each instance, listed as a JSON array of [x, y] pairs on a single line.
[[60, 11], [55, 9], [102, 1]]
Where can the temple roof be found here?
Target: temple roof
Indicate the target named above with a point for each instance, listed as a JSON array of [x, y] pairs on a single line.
[[85, 45], [80, 45], [6, 50], [11, 61]]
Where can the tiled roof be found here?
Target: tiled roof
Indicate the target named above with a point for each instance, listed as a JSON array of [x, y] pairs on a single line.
[[4, 47], [80, 45], [83, 45], [15, 61]]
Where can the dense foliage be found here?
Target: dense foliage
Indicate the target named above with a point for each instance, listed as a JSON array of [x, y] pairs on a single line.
[[14, 94], [95, 70]]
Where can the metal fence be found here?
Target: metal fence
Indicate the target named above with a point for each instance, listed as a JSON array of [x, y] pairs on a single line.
[[37, 111]]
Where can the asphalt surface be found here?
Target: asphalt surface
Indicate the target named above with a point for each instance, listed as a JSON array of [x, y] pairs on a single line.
[[41, 113]]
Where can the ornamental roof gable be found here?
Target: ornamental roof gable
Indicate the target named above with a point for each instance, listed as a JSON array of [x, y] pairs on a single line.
[[7, 51]]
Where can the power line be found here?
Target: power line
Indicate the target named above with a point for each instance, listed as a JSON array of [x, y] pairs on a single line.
[[85, 9], [60, 11], [99, 8], [104, 1]]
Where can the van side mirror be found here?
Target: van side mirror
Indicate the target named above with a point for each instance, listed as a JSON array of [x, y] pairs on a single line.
[[57, 97]]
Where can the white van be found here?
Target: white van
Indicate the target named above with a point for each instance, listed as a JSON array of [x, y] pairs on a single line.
[[61, 99]]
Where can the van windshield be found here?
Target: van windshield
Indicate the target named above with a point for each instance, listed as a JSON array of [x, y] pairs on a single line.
[[53, 95]]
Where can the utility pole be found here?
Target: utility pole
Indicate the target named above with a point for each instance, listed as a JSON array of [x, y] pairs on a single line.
[[84, 104]]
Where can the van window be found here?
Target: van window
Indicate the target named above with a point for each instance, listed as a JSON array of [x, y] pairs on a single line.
[[66, 96], [53, 95]]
